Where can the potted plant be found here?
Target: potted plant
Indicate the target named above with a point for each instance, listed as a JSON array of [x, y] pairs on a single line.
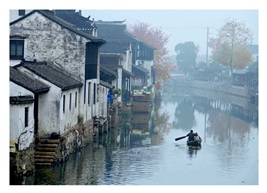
[[117, 91]]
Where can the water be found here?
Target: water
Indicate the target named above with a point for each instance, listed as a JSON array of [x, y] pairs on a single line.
[[228, 155]]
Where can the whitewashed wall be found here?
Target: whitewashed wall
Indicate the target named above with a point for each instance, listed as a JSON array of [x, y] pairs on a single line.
[[14, 62], [48, 41], [70, 118], [89, 110], [103, 101], [127, 65], [16, 90], [50, 109], [18, 131], [119, 83]]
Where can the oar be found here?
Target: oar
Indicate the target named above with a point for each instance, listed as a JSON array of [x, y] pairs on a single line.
[[176, 139]]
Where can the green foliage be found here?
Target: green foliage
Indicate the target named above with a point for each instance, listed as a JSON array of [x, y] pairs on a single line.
[[186, 55], [117, 91]]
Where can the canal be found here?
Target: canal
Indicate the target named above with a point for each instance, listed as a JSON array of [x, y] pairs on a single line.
[[228, 154]]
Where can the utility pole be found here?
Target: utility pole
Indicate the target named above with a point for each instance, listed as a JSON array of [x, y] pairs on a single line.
[[207, 49]]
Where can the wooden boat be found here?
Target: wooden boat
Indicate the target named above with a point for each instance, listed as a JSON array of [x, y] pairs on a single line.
[[194, 143]]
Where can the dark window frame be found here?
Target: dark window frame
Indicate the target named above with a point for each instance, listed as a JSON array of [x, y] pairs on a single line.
[[89, 93], [70, 102], [75, 99], [26, 117], [64, 98], [94, 99], [21, 12], [17, 44]]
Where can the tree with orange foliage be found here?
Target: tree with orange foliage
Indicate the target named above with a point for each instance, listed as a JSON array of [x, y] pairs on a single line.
[[157, 39], [230, 45]]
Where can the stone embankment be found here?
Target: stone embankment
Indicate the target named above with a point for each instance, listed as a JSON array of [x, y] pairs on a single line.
[[225, 88], [181, 85]]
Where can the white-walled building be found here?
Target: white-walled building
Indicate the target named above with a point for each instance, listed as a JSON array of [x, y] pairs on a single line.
[[25, 92], [141, 54], [48, 38], [58, 110]]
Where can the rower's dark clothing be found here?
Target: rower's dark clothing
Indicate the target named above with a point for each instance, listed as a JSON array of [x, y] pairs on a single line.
[[191, 136]]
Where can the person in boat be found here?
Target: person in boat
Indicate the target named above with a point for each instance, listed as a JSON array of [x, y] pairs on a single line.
[[191, 135], [196, 137]]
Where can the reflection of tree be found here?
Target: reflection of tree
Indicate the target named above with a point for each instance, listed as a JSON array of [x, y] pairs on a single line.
[[201, 104], [224, 127], [184, 115], [161, 121], [137, 138], [231, 136], [218, 125]]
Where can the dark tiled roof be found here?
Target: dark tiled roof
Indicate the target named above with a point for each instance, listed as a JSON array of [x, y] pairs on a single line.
[[111, 31], [21, 99], [110, 59], [115, 47], [81, 23], [52, 74], [106, 84], [108, 71], [215, 66], [50, 15], [17, 37], [139, 69], [27, 82]]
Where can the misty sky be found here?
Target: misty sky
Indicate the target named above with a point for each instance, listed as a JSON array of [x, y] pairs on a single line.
[[181, 25]]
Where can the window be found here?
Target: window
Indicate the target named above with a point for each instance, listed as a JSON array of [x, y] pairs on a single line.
[[70, 102], [75, 99], [21, 12], [89, 92], [91, 61], [94, 93], [63, 103], [16, 49], [26, 121], [84, 95]]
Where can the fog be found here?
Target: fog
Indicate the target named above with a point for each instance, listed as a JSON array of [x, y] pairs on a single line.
[[181, 25]]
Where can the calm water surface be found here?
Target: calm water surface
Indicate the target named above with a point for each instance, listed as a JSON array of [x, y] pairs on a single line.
[[228, 155]]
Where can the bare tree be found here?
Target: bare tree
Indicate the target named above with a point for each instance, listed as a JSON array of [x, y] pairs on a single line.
[[230, 45]]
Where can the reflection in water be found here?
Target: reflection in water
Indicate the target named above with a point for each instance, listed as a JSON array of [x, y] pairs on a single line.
[[184, 115], [192, 151], [128, 155]]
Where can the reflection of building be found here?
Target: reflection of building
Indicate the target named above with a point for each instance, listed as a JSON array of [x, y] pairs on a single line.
[[238, 107], [140, 112], [248, 114], [140, 121]]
